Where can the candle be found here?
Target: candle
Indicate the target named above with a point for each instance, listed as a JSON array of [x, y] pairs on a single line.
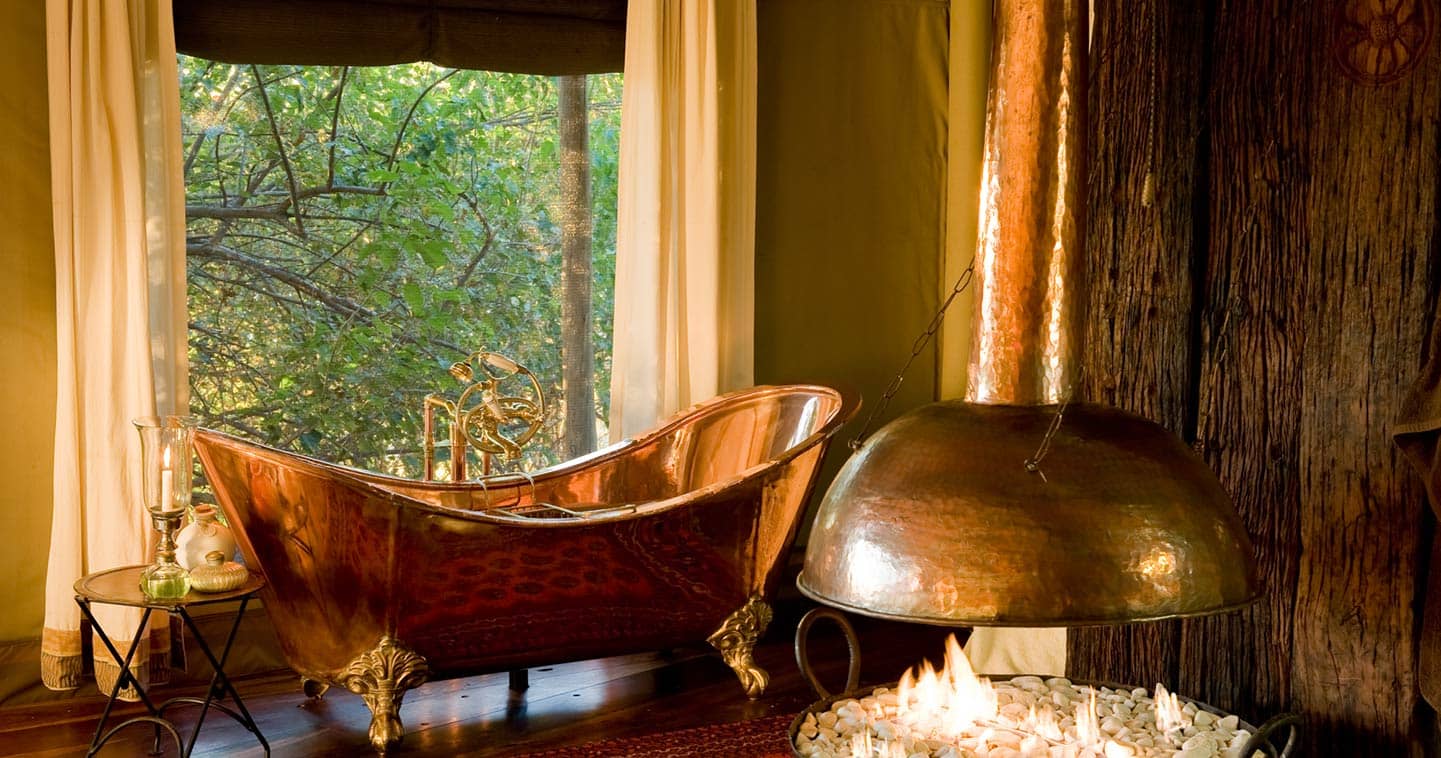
[[167, 483]]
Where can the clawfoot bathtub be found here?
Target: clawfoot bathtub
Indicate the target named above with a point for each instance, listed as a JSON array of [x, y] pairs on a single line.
[[378, 583]]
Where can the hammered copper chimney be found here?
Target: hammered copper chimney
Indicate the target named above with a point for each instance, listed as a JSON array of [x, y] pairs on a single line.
[[937, 518]]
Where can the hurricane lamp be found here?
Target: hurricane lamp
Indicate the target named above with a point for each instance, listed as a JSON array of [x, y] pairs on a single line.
[[166, 458]]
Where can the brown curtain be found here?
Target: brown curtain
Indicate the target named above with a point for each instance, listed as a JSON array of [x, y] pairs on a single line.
[[549, 37], [1418, 434]]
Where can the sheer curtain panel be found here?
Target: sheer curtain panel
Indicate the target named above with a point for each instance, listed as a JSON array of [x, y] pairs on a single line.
[[685, 251], [119, 222]]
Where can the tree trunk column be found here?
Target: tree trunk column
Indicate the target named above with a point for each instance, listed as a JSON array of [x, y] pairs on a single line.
[[577, 346], [1270, 299]]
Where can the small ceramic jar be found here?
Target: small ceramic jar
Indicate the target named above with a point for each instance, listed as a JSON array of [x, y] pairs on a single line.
[[204, 534], [217, 574]]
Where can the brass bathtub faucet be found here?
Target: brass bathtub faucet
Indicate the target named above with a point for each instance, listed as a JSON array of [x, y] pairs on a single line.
[[483, 416]]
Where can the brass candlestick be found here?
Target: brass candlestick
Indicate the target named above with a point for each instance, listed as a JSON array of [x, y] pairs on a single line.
[[165, 578]]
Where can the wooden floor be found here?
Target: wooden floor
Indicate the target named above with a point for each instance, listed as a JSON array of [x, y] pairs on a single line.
[[567, 704]]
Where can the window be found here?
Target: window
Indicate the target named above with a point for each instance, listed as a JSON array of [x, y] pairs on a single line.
[[353, 231]]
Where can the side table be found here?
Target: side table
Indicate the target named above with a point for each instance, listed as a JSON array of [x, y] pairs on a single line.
[[121, 586]]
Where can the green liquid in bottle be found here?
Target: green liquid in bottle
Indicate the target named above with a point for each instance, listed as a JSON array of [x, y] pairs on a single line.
[[165, 582]]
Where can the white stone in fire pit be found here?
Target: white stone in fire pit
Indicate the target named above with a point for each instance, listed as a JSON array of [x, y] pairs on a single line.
[[954, 714]]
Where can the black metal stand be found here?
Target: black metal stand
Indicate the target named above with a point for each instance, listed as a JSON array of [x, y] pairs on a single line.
[[220, 685]]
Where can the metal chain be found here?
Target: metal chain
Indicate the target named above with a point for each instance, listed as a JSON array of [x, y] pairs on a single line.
[[1033, 464], [962, 283], [1148, 184]]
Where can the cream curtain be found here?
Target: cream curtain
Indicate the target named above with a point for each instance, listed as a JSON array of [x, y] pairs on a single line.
[[991, 650], [119, 222], [685, 260]]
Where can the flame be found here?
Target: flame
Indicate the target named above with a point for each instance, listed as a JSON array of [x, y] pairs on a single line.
[[973, 697], [903, 693], [954, 704], [1046, 723], [1169, 716], [863, 745], [1088, 722], [954, 697]]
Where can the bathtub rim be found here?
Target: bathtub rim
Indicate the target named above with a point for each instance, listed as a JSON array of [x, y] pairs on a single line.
[[849, 404]]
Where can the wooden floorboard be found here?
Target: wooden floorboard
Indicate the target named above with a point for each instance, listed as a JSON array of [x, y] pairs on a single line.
[[567, 704]]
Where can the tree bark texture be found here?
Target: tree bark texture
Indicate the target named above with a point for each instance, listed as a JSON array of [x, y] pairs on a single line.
[[577, 344], [1140, 245], [1271, 305]]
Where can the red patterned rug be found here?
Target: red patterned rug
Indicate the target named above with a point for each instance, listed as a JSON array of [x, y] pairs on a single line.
[[759, 738]]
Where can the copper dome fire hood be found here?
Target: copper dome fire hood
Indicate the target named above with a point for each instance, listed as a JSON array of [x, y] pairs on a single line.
[[936, 518]]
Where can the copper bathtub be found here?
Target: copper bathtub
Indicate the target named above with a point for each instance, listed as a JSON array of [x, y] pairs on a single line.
[[379, 583]]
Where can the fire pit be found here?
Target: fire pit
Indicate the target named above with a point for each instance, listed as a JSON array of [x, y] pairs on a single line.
[[953, 713], [1021, 505]]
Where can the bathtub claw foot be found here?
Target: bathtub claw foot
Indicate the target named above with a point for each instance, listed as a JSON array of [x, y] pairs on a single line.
[[382, 677], [736, 640], [385, 728], [313, 688]]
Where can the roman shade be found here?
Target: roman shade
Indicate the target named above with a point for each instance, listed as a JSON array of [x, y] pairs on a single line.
[[549, 37]]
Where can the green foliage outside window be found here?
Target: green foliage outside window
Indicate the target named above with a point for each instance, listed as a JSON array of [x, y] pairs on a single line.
[[354, 231]]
